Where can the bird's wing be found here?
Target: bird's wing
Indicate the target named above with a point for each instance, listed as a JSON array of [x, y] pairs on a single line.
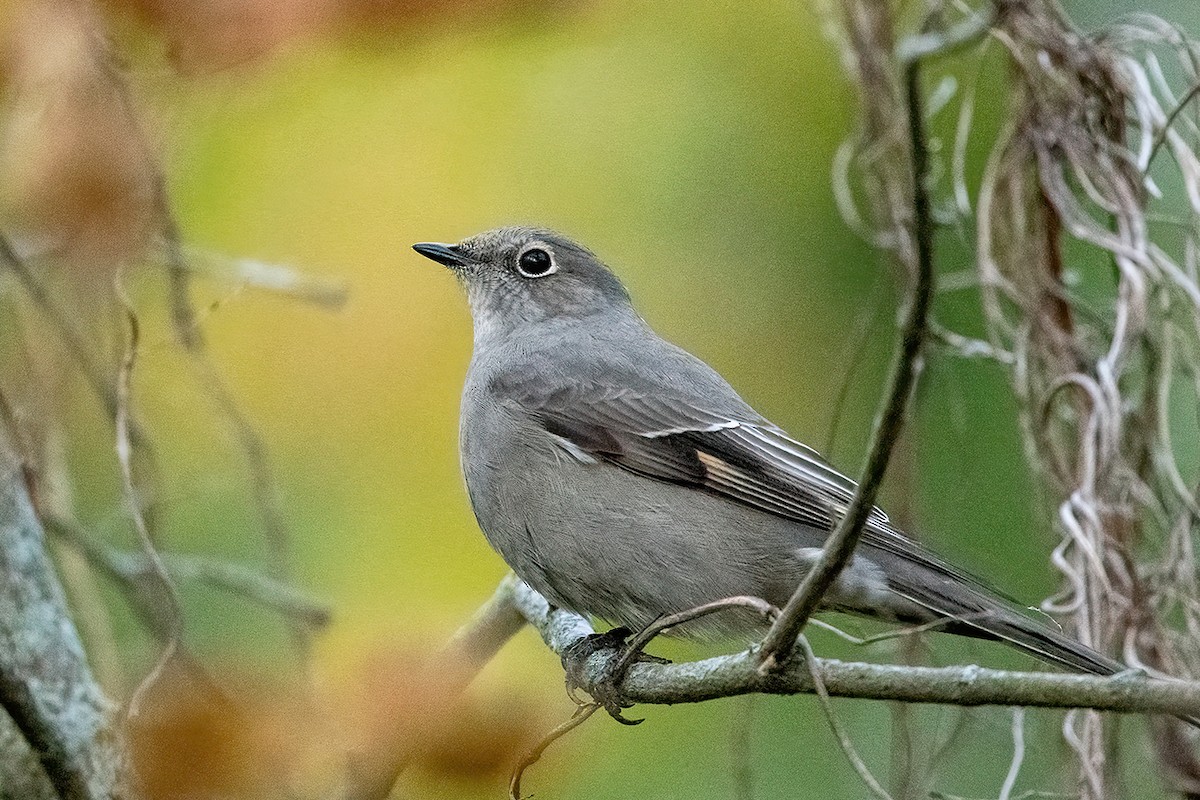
[[741, 457], [672, 440]]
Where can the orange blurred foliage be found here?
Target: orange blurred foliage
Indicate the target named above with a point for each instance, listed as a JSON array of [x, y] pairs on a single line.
[[188, 742], [211, 35], [405, 701], [74, 165], [263, 739]]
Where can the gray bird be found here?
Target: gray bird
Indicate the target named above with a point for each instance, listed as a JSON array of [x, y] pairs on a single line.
[[623, 478]]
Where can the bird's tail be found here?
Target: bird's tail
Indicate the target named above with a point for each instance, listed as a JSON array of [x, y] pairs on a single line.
[[1039, 640], [958, 602], [1033, 637], [984, 617]]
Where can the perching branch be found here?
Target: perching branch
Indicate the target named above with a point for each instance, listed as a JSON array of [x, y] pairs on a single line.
[[738, 673]]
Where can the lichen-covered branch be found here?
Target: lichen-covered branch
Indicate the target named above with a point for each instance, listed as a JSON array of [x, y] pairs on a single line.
[[737, 674], [46, 685]]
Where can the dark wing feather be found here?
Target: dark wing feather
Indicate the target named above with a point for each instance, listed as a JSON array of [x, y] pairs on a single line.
[[672, 441]]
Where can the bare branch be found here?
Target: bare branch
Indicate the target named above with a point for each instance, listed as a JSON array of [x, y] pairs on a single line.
[[131, 570], [835, 725], [46, 686], [739, 673], [262, 483], [124, 448], [93, 372], [183, 316]]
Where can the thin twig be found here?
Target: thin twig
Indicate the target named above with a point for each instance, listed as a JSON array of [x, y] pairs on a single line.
[[93, 373], [262, 484], [898, 633], [124, 450], [904, 774], [142, 590], [132, 568], [839, 548], [582, 714], [853, 352], [835, 725], [634, 648], [1161, 137], [187, 333], [183, 316], [72, 340]]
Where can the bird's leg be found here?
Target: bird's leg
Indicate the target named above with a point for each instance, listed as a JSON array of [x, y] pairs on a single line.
[[605, 686], [621, 655]]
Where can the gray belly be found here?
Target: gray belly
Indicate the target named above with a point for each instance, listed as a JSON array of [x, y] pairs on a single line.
[[600, 540]]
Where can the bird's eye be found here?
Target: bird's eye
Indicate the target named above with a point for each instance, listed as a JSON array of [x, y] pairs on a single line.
[[535, 262]]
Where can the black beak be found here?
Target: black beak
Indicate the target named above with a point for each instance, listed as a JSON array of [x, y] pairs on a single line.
[[447, 255]]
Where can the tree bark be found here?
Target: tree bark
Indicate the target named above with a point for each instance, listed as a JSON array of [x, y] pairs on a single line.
[[57, 739]]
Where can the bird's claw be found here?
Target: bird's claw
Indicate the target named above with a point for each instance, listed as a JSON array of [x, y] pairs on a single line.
[[606, 689]]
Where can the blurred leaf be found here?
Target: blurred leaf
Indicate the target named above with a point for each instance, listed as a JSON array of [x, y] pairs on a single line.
[[399, 699], [187, 742], [74, 167], [211, 35]]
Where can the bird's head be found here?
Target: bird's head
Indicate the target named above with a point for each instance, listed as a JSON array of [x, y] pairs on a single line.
[[515, 277]]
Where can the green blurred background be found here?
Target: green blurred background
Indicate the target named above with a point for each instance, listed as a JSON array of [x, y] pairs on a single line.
[[690, 145]]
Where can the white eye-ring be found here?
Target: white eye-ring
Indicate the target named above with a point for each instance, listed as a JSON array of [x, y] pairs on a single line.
[[536, 262]]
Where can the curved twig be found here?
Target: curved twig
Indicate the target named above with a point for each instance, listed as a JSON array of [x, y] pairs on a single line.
[[582, 714], [664, 623], [124, 449]]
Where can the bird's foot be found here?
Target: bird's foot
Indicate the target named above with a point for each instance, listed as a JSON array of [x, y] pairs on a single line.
[[605, 689]]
